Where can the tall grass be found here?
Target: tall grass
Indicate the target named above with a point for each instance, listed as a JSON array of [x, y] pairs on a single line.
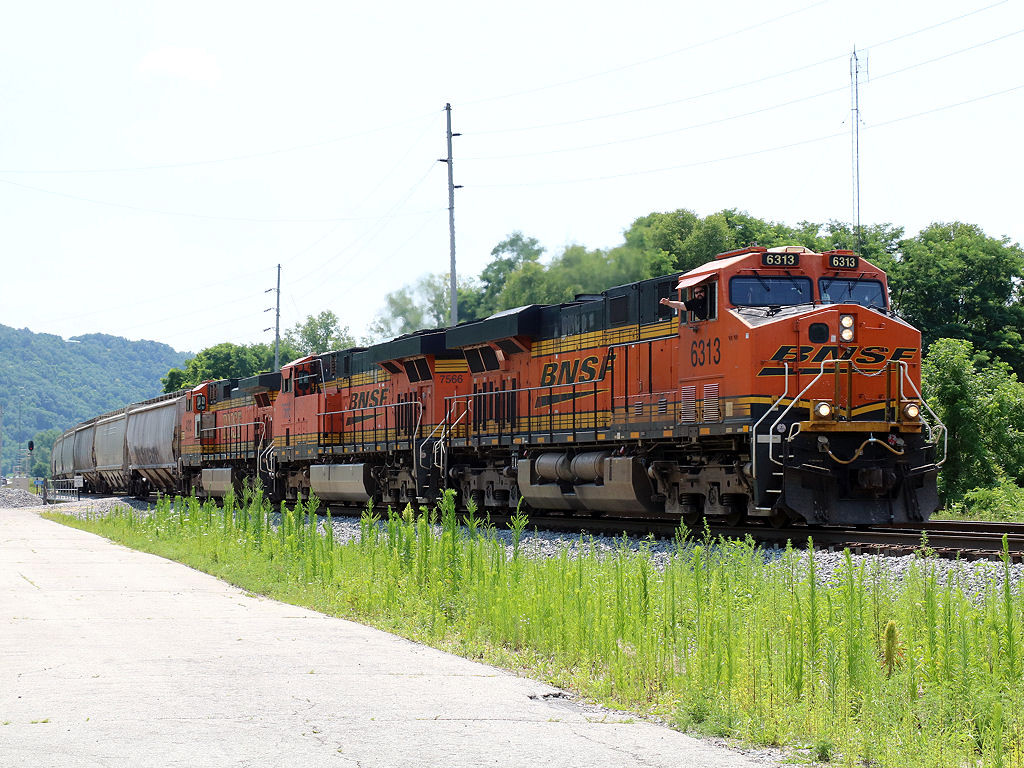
[[860, 669]]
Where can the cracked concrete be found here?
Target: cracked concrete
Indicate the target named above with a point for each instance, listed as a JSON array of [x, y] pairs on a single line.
[[112, 657]]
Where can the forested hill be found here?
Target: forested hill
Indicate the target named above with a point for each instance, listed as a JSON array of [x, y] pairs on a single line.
[[47, 383]]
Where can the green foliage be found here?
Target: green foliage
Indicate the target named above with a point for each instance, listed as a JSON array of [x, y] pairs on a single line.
[[220, 361], [654, 245], [314, 335], [860, 668], [227, 361], [1003, 501], [982, 406], [507, 256], [954, 281], [426, 304], [43, 450], [48, 383], [317, 334]]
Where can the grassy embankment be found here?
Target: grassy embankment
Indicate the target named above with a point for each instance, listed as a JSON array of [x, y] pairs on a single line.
[[863, 671]]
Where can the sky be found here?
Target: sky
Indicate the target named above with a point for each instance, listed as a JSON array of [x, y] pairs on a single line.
[[158, 160]]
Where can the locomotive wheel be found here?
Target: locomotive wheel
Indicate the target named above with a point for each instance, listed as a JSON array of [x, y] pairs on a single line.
[[692, 505], [736, 504], [735, 517], [778, 518], [693, 519]]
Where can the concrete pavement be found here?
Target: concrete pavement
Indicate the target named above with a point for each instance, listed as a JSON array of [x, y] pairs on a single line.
[[112, 657]]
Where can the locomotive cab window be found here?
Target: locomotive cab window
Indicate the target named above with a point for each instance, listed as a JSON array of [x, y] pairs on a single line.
[[770, 291], [703, 302], [848, 290]]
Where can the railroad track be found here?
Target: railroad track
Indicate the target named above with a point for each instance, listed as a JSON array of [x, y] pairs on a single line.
[[964, 539], [952, 539]]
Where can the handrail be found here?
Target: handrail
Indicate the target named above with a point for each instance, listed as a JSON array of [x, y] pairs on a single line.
[[905, 368], [394, 406], [753, 429], [794, 401], [904, 376], [256, 445], [447, 428], [229, 426]]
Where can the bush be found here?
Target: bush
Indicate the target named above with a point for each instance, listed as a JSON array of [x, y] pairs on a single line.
[[1004, 501]]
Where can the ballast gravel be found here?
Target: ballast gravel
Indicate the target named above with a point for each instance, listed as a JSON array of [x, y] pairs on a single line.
[[11, 498], [975, 578]]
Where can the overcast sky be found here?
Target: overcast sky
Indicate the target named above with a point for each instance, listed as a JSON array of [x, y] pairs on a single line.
[[158, 160]]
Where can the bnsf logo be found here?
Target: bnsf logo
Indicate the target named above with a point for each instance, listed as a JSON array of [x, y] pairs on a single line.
[[369, 399], [573, 371], [791, 353], [859, 355]]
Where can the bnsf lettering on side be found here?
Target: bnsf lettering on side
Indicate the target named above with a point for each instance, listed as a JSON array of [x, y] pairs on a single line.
[[574, 371], [369, 399], [790, 353]]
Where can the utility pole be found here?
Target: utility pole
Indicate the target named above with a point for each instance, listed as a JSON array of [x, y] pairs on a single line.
[[277, 321], [855, 69], [451, 217]]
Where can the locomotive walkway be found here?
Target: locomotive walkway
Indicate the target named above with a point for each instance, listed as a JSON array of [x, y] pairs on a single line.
[[117, 658]]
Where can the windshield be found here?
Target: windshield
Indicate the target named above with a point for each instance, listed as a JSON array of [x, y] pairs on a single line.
[[772, 291], [849, 290]]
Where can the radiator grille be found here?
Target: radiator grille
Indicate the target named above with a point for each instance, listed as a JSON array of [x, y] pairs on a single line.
[[688, 404], [712, 406]]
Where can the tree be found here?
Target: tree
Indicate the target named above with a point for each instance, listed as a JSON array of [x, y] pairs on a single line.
[[221, 361], [318, 333], [43, 442], [660, 237], [982, 405], [953, 281], [878, 243], [264, 354], [425, 304], [576, 270], [506, 257]]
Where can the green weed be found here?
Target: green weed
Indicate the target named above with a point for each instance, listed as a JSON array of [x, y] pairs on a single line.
[[865, 669]]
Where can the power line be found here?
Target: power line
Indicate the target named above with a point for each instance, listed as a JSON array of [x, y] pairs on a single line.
[[945, 107], [127, 304], [260, 220], [231, 158], [741, 115], [370, 234], [742, 155], [735, 86], [659, 57], [185, 214], [399, 163]]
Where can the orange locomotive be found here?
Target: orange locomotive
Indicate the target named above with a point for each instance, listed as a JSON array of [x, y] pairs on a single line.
[[771, 383]]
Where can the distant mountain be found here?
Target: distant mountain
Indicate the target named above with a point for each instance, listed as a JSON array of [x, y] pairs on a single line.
[[49, 383]]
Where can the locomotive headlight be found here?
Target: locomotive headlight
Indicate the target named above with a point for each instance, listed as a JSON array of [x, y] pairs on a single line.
[[911, 411], [823, 410], [846, 323]]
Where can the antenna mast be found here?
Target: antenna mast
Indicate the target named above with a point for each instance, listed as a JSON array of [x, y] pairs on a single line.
[[855, 69], [452, 186], [277, 321]]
